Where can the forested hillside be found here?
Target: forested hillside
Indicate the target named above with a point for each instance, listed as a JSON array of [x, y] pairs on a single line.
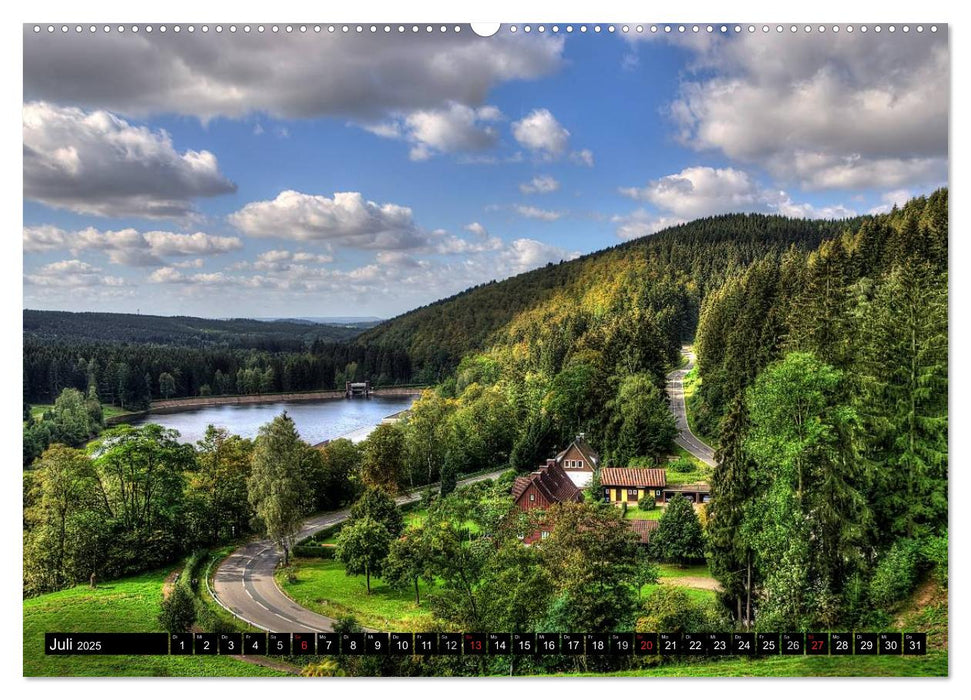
[[66, 326], [703, 252], [826, 375]]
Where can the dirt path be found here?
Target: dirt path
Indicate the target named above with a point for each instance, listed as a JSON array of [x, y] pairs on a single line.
[[706, 583]]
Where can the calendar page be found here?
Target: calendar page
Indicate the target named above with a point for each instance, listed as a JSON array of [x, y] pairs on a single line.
[[527, 349]]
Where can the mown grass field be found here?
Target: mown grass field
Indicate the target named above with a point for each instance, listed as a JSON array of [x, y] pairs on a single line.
[[934, 664], [126, 605], [634, 513], [322, 586]]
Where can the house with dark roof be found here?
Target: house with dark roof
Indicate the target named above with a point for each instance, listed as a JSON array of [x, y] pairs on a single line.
[[540, 490], [547, 485], [579, 460]]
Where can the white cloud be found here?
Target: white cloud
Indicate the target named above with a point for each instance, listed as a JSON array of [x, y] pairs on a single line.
[[97, 163], [541, 184], [291, 76], [537, 213], [451, 129], [823, 111], [541, 133], [477, 228], [71, 274], [128, 246], [345, 219], [701, 191], [525, 254], [895, 198], [582, 157], [640, 223]]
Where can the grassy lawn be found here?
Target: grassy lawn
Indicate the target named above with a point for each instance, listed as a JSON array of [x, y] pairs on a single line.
[[126, 605], [934, 664], [638, 514], [322, 586], [674, 571]]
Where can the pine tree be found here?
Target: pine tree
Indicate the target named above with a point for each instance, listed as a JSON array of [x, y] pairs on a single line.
[[678, 537], [730, 556]]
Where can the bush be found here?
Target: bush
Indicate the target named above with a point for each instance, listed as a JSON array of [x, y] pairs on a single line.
[[896, 574], [314, 551], [670, 609], [682, 465], [178, 610], [933, 553], [647, 503]]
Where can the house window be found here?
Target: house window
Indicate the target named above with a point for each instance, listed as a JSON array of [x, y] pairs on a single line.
[[532, 497], [544, 534], [607, 493], [632, 493], [580, 464]]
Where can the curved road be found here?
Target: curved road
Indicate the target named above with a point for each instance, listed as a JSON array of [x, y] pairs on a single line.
[[244, 584], [686, 438]]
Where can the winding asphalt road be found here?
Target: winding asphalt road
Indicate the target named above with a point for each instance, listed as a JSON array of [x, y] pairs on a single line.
[[244, 584], [675, 389]]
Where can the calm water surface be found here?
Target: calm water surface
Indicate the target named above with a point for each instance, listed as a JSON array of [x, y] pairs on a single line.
[[316, 420]]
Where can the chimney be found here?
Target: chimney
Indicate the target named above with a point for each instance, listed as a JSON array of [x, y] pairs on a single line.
[[550, 462], [581, 436]]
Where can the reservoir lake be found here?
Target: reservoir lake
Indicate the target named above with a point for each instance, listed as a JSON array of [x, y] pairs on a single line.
[[316, 421]]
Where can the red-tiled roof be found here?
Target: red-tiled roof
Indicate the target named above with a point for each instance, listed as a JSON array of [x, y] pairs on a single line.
[[628, 476], [644, 528], [551, 481]]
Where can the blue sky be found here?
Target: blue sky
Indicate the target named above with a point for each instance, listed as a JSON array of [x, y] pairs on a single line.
[[197, 174]]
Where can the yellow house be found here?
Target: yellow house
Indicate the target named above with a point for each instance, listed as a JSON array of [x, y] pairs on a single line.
[[630, 485]]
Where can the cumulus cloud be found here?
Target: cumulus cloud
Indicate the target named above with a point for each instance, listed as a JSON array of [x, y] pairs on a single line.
[[702, 191], [346, 219], [541, 184], [96, 163], [451, 129], [284, 75], [128, 246], [71, 274], [582, 157], [537, 213], [641, 223], [541, 133], [525, 254], [477, 228], [824, 111]]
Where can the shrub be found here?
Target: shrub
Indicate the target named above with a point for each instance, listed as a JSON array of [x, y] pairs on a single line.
[[933, 553], [670, 609], [178, 610], [896, 574], [682, 465]]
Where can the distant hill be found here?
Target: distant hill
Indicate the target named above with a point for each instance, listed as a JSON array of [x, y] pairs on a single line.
[[183, 331], [703, 253], [361, 322]]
